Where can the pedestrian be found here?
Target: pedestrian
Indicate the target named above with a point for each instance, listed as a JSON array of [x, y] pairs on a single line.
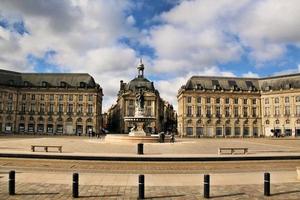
[[172, 139]]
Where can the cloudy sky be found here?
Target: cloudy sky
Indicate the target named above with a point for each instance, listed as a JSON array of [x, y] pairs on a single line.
[[175, 38]]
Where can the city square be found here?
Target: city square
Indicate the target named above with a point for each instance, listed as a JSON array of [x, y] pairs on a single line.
[[161, 99]]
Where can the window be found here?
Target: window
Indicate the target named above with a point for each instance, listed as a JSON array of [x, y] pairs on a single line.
[[246, 131], [70, 97], [70, 108], [277, 121], [90, 98], [245, 101], [42, 107], [254, 101], [23, 96], [10, 96], [42, 97], [61, 108], [199, 131], [189, 111], [90, 108], [267, 111], [277, 100], [207, 99], [236, 101], [61, 97], [227, 111], [237, 131], [227, 100], [148, 103], [298, 110], [218, 100], [266, 100], [23, 107], [131, 102], [51, 97], [267, 122], [236, 111], [189, 130], [130, 111], [218, 111], [51, 108], [79, 108], [277, 112], [287, 110], [198, 99], [189, 99], [219, 131], [208, 111], [33, 97], [297, 98], [80, 97], [198, 111], [254, 113], [149, 111], [287, 99], [9, 106], [32, 107], [245, 112]]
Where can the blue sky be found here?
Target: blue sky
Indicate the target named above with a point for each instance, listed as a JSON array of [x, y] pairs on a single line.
[[175, 38]]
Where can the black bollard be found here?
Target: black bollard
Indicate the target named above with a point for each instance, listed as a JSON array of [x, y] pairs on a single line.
[[141, 187], [75, 185], [267, 184], [140, 148], [12, 183], [206, 186]]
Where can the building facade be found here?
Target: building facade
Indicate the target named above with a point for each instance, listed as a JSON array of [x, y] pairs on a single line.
[[52, 103], [239, 107], [154, 106]]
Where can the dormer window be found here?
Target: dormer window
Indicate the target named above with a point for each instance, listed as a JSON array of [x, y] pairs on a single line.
[[44, 84], [82, 84], [11, 82], [63, 84], [26, 83]]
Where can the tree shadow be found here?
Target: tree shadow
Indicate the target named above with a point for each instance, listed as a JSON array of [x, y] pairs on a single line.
[[164, 196], [288, 192], [226, 195]]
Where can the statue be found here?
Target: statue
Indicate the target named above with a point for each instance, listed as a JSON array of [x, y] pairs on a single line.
[[140, 100]]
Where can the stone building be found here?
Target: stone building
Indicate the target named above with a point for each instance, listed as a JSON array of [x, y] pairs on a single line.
[[154, 106], [239, 107], [52, 103]]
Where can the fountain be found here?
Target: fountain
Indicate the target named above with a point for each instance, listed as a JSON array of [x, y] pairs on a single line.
[[139, 119]]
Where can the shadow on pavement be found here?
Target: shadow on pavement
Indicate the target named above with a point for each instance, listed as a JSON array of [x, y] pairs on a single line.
[[288, 192], [38, 193], [100, 196], [165, 196], [227, 195]]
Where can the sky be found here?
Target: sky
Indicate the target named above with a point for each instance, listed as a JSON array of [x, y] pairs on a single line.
[[175, 38]]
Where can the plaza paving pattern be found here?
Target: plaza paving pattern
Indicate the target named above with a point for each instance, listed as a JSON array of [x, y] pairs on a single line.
[[51, 179], [92, 146], [234, 192]]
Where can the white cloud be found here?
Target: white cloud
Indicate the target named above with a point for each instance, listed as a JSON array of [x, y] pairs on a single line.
[[250, 75]]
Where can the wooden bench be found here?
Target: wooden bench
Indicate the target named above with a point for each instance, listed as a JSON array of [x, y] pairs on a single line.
[[232, 150], [46, 147]]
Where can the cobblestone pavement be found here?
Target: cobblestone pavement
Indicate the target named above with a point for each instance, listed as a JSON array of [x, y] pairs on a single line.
[[232, 192]]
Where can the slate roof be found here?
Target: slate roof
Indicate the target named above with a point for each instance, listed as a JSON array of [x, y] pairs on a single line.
[[139, 82], [244, 84], [50, 79]]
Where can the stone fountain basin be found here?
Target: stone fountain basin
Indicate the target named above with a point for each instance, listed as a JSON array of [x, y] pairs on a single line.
[[134, 139], [139, 119]]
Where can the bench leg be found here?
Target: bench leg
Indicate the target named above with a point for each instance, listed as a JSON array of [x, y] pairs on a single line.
[[46, 149], [32, 149], [60, 149]]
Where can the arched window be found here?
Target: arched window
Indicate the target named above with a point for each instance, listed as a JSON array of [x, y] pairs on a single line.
[[267, 122], [277, 121]]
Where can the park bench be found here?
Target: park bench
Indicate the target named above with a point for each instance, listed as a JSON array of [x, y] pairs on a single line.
[[46, 147], [232, 150]]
